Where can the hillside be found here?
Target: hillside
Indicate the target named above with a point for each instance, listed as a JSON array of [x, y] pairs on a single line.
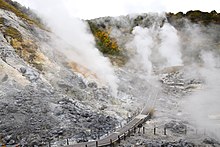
[[108, 31], [50, 91], [41, 96]]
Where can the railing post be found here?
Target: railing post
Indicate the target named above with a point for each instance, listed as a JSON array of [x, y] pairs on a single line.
[[111, 143], [67, 141], [119, 139], [86, 145], [165, 131], [185, 130], [154, 130], [143, 130], [49, 144], [98, 135], [124, 136], [96, 144], [129, 132]]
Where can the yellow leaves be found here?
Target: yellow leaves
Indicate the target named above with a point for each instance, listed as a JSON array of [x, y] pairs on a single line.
[[107, 41]]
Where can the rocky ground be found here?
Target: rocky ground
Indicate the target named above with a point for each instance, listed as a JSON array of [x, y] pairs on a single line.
[[50, 103], [175, 85], [36, 117], [42, 99]]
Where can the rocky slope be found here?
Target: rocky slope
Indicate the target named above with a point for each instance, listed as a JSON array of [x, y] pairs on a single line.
[[42, 98], [45, 97], [168, 85]]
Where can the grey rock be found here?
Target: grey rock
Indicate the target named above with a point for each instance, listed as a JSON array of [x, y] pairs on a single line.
[[5, 78], [103, 107], [92, 85], [7, 138], [11, 142], [81, 137], [82, 84], [23, 70], [31, 74], [39, 111], [2, 39], [211, 141], [176, 127]]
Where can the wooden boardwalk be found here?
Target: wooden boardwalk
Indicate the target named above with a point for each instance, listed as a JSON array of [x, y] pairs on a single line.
[[117, 135]]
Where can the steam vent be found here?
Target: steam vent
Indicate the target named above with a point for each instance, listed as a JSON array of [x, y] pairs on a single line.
[[128, 80]]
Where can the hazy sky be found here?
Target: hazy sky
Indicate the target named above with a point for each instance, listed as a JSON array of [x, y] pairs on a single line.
[[87, 9]]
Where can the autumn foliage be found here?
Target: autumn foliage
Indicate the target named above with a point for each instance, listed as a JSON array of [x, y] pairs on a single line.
[[105, 43]]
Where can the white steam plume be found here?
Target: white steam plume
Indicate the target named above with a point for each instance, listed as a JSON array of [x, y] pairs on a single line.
[[156, 46], [143, 42], [170, 45], [203, 106], [75, 33]]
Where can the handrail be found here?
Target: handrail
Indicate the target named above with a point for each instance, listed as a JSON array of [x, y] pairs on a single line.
[[118, 134]]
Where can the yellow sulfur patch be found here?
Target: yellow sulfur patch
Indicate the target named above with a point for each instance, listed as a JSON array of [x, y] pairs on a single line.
[[85, 72]]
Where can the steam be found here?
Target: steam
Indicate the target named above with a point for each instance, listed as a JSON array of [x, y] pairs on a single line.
[[156, 46], [170, 45], [203, 106], [76, 34], [143, 42], [201, 55], [193, 46]]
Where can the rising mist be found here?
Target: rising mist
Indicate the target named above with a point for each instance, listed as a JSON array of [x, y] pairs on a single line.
[[157, 46], [76, 34]]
